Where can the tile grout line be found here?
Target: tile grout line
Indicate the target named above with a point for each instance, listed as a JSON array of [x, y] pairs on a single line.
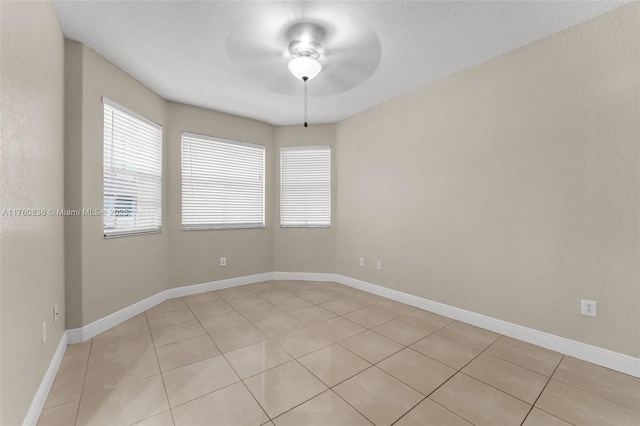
[[306, 400], [302, 365], [214, 343], [458, 371], [164, 385], [245, 386], [256, 292], [231, 365], [340, 382], [410, 409], [402, 381], [206, 333], [593, 394], [203, 395], [155, 348], [292, 360], [331, 388], [589, 392], [258, 403], [498, 389], [541, 392], [371, 364], [233, 310], [84, 376], [516, 364], [362, 414], [75, 422], [448, 409], [122, 355]]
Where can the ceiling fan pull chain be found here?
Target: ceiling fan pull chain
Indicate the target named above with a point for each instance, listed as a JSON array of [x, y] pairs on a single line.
[[305, 100]]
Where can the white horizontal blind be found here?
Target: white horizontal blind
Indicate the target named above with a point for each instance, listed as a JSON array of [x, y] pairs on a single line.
[[222, 183], [305, 186], [132, 173]]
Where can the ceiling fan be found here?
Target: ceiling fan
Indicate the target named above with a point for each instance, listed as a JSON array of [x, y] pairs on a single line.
[[305, 52], [312, 42]]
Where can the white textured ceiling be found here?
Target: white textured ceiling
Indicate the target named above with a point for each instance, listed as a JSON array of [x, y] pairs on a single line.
[[231, 56]]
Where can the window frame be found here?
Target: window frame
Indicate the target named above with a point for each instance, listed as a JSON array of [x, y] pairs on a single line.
[[157, 226], [330, 187], [221, 226]]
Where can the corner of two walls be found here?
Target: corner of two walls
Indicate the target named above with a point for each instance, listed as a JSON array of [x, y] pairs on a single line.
[[304, 249], [106, 275], [194, 255], [510, 189]]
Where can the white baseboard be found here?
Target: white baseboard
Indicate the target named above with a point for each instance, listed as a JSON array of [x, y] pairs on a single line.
[[82, 334], [305, 276], [603, 357], [33, 414], [606, 358], [217, 285]]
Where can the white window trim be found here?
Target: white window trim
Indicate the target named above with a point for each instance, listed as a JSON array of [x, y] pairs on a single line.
[[158, 230], [134, 114], [301, 148], [200, 227]]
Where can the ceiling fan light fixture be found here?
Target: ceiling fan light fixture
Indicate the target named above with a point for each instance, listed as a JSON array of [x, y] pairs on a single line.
[[304, 66]]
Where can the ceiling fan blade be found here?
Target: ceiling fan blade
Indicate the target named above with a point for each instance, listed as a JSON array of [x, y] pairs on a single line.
[[349, 50], [346, 69]]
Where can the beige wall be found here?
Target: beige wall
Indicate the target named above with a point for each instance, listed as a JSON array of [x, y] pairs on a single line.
[[73, 73], [31, 177], [106, 275], [194, 255], [304, 249], [510, 189], [499, 183]]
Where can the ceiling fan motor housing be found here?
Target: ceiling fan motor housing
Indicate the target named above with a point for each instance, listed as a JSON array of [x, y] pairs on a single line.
[[304, 48]]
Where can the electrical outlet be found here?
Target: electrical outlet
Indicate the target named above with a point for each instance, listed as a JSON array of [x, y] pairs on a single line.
[[362, 261], [55, 313], [223, 261], [379, 265], [589, 308], [44, 332]]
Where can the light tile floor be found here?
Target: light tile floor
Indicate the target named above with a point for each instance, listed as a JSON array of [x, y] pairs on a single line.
[[310, 353]]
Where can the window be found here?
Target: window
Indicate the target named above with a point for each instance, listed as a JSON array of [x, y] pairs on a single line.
[[132, 173], [305, 186], [222, 183]]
